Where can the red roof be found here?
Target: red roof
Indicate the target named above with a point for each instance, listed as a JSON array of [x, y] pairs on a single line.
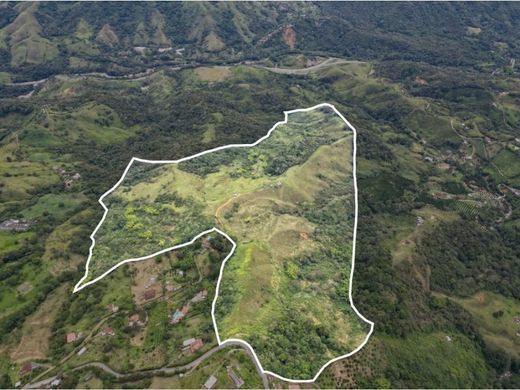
[[149, 294], [27, 367], [185, 309], [71, 337], [196, 345], [108, 332]]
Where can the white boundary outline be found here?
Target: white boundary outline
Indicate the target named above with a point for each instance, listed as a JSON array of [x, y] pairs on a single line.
[[79, 287]]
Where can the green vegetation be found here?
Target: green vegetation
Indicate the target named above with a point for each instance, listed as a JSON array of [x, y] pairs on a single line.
[[415, 76], [496, 318], [288, 202], [417, 363]]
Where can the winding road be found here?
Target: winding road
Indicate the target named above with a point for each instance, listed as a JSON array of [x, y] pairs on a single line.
[[178, 369]]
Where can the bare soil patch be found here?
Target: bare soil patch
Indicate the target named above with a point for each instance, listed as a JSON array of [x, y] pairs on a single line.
[[146, 276], [289, 36]]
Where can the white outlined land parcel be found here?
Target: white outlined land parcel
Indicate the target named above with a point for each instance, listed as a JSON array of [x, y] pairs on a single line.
[[288, 205]]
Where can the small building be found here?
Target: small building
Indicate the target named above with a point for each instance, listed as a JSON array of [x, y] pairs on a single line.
[[112, 308], [170, 287], [55, 383], [72, 337], [135, 320], [27, 368], [192, 345], [179, 314], [108, 332], [82, 351], [14, 225], [164, 49], [188, 342], [200, 296], [196, 345], [210, 382], [149, 294], [235, 378]]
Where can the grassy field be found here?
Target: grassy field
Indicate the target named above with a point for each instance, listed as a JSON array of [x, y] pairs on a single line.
[[265, 197], [218, 73], [419, 356], [495, 316]]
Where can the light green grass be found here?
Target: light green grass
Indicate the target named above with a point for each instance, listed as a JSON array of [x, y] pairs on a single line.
[[500, 331], [57, 205], [431, 361], [508, 162]]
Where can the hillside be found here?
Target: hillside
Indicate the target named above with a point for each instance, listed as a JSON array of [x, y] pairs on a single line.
[[433, 91], [42, 39]]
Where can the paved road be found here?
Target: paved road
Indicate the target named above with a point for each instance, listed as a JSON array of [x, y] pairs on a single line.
[[178, 369], [304, 71]]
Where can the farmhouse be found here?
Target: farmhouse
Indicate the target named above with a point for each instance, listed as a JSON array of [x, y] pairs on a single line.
[[198, 344], [187, 342], [179, 314], [72, 337], [112, 308], [108, 332], [192, 345], [135, 320]]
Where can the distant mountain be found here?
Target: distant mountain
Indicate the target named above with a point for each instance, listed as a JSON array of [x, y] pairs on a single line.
[[39, 39]]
